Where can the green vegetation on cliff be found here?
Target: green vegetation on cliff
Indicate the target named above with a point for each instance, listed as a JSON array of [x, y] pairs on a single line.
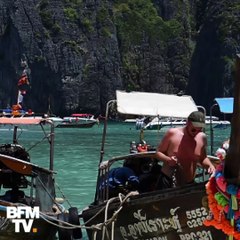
[[138, 19], [89, 48], [139, 25]]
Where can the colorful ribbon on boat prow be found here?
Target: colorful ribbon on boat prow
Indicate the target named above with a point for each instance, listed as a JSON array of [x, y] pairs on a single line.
[[223, 202]]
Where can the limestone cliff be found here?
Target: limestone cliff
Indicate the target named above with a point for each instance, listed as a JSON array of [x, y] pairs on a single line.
[[81, 51]]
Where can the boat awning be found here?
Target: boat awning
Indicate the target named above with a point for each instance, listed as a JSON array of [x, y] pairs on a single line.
[[225, 104], [155, 104], [20, 121]]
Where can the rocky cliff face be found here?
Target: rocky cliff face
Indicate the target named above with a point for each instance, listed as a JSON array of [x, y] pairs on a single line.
[[81, 51], [217, 42], [72, 62]]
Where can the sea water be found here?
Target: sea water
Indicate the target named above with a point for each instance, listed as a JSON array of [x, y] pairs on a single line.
[[77, 154]]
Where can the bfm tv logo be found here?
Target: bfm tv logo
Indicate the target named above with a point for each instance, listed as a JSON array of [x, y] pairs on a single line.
[[23, 216]]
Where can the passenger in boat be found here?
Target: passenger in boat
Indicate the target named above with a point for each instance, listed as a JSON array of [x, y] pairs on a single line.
[[120, 180], [142, 146], [149, 176], [180, 150], [147, 170]]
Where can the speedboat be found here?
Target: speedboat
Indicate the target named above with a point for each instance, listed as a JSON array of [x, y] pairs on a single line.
[[78, 120], [139, 122], [29, 207], [162, 122], [216, 122], [56, 120], [149, 213], [158, 123]]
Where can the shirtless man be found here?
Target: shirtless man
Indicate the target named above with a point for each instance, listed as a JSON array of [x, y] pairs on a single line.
[[181, 149]]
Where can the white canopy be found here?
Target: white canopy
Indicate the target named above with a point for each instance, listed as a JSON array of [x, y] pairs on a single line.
[[155, 104], [20, 120]]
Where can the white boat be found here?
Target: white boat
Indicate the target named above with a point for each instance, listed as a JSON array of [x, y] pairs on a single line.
[[216, 123], [158, 123], [139, 122], [78, 120], [56, 120]]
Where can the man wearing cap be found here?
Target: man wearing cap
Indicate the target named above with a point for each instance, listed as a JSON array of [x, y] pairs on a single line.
[[180, 150]]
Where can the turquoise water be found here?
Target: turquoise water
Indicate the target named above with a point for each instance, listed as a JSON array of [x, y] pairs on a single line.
[[77, 153]]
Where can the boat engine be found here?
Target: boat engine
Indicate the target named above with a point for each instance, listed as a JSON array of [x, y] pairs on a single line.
[[9, 178], [15, 150]]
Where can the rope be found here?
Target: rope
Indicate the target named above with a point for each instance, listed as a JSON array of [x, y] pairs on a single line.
[[94, 235], [46, 136], [67, 225], [111, 220], [113, 227], [52, 219], [105, 218], [3, 223], [101, 226], [63, 195], [53, 199]]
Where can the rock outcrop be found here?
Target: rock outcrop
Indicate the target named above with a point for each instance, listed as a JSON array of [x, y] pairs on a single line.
[[81, 51]]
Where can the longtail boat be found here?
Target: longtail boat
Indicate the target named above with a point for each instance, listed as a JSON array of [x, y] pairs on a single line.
[[27, 186], [207, 209], [169, 214]]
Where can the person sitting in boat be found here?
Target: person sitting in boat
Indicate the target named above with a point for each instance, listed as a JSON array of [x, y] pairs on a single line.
[[180, 150], [120, 180], [147, 170], [149, 176], [142, 146]]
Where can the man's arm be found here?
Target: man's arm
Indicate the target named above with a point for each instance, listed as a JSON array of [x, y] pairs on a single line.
[[161, 153], [205, 161], [208, 165]]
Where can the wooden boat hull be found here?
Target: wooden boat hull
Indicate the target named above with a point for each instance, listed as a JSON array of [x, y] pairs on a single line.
[[23, 183], [45, 231], [163, 215]]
